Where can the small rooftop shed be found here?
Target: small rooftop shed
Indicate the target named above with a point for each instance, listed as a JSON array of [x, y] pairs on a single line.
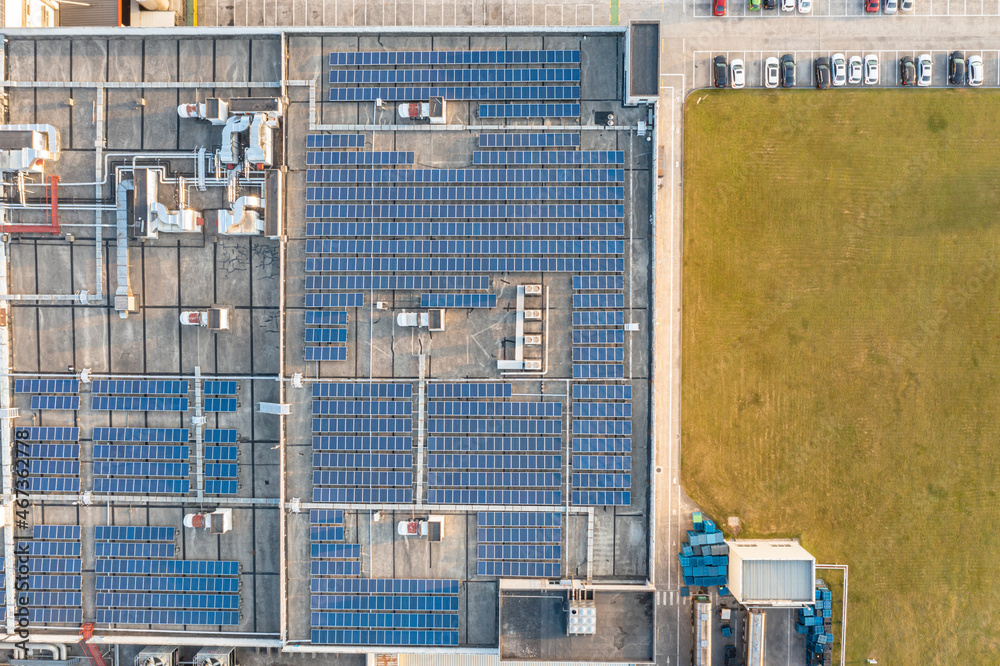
[[771, 573]]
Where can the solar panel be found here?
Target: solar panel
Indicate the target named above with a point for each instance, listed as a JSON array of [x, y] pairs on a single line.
[[602, 392], [221, 453], [119, 403], [534, 176], [464, 496], [581, 301], [494, 247], [326, 533], [334, 300], [326, 517], [141, 434], [224, 436], [362, 425], [131, 468], [176, 617], [532, 444], [44, 565], [598, 371], [394, 620], [519, 534], [133, 533], [53, 484], [468, 390], [529, 110], [70, 451], [362, 637], [361, 443], [602, 409], [216, 387], [335, 141], [461, 264], [37, 599], [519, 569], [54, 582], [393, 282], [326, 353], [412, 76], [585, 427], [46, 386], [140, 386], [168, 583], [459, 210], [55, 402], [377, 478], [602, 480], [335, 568], [458, 300], [588, 318], [47, 467], [601, 498], [587, 282], [524, 57], [393, 586], [519, 519], [336, 550], [172, 601], [367, 158], [530, 140], [168, 567], [361, 389], [470, 193], [327, 335], [363, 460], [363, 407], [378, 495], [113, 549], [495, 426], [490, 551], [382, 602], [55, 615], [519, 157], [602, 444], [494, 479], [585, 354], [466, 408], [220, 487], [220, 404], [47, 434], [490, 461], [599, 336], [220, 470], [321, 318], [142, 486], [56, 532], [617, 463], [51, 548], [461, 93]]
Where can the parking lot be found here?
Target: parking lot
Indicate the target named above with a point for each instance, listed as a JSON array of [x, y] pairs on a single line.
[[842, 8], [753, 62]]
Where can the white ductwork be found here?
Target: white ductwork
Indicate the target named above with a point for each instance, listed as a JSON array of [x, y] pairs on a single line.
[[184, 220], [260, 152], [58, 651], [245, 218], [230, 139], [26, 147]]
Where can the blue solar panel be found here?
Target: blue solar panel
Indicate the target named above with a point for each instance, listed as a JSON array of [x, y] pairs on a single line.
[[463, 93], [468, 390], [602, 480], [49, 599], [471, 193], [326, 517], [534, 176], [462, 264], [533, 247], [602, 463], [529, 110], [361, 443], [55, 615], [54, 582], [602, 444], [375, 58], [495, 426], [54, 451], [335, 568], [168, 567], [377, 495], [363, 460], [216, 387], [585, 354], [51, 548], [459, 210], [602, 391], [325, 353], [519, 157], [220, 470], [53, 565], [326, 533], [602, 409], [141, 452], [586, 282], [175, 617], [458, 300], [519, 519], [366, 158], [57, 467], [47, 434], [55, 402], [601, 498], [112, 549], [392, 282], [599, 336], [462, 496], [142, 486], [362, 425], [399, 637], [220, 487], [140, 386], [518, 552], [335, 141], [412, 76], [387, 586], [55, 532], [519, 569], [380, 479], [361, 389], [525, 444], [334, 300], [583, 427], [220, 404], [141, 434], [598, 301], [530, 140], [53, 484], [490, 461], [519, 534], [167, 584], [131, 468], [340, 551], [321, 318], [46, 386], [326, 334], [611, 318], [224, 436], [221, 453], [494, 479], [386, 620], [466, 408], [133, 533], [120, 403], [383, 602], [173, 601], [598, 371], [363, 407]]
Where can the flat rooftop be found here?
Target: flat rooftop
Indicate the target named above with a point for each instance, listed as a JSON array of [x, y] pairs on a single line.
[[402, 423]]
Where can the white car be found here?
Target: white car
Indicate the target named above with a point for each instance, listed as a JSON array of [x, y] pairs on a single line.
[[737, 75], [838, 69], [890, 6], [906, 6], [854, 70], [871, 70], [805, 6], [974, 70], [771, 72], [788, 5], [925, 68]]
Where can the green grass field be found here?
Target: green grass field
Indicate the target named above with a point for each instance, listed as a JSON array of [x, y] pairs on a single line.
[[841, 351]]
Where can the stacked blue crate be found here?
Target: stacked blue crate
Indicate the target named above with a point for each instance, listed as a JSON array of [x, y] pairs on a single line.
[[54, 591], [815, 621], [704, 556]]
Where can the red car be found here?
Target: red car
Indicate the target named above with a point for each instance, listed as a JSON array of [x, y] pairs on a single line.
[[871, 6], [719, 8]]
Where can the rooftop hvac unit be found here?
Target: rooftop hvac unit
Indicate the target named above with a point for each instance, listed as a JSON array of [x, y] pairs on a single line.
[[532, 290], [533, 365], [215, 656], [581, 619], [26, 147], [533, 315], [532, 340], [157, 655]]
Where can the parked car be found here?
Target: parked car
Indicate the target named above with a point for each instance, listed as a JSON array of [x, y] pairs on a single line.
[[871, 6], [754, 5], [822, 69], [730, 655], [975, 70], [720, 72], [838, 68], [890, 6], [906, 6], [787, 71], [770, 4], [719, 7], [871, 70], [854, 70], [771, 72], [737, 75], [956, 68], [907, 71], [924, 70], [805, 6], [788, 5]]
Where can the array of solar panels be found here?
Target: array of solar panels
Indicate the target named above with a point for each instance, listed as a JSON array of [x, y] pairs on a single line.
[[348, 610], [50, 394], [126, 395], [519, 544], [54, 594], [138, 581], [362, 442], [506, 78]]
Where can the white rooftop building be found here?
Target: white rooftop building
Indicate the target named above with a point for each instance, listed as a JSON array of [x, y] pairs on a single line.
[[771, 573]]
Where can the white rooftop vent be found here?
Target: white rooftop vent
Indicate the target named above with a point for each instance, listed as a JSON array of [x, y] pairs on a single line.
[[581, 619], [157, 655]]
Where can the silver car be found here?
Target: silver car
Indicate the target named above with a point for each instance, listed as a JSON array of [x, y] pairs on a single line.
[[771, 72], [974, 70], [871, 70], [854, 70], [838, 69], [925, 68], [890, 6], [906, 6]]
